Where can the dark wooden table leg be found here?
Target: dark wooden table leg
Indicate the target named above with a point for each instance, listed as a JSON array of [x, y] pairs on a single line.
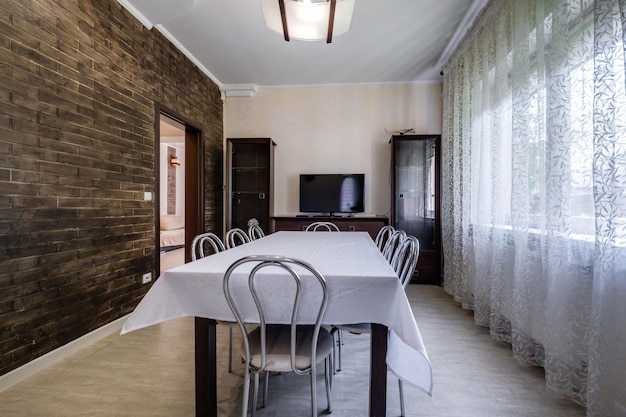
[[378, 371], [206, 358]]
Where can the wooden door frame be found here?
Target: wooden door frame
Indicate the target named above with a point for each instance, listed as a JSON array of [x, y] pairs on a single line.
[[194, 179]]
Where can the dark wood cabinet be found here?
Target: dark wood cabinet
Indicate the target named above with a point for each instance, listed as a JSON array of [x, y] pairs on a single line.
[[250, 186], [416, 167], [349, 224]]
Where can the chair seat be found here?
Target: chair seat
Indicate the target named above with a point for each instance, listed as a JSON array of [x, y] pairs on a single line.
[[278, 347]]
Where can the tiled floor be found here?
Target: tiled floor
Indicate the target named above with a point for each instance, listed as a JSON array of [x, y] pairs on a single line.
[[150, 373], [172, 258]]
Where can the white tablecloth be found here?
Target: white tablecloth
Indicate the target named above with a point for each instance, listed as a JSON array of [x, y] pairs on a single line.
[[362, 288]]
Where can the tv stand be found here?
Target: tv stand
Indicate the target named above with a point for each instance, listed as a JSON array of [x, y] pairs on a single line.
[[370, 224]]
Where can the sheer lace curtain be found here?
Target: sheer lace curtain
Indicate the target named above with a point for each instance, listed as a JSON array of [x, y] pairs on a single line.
[[534, 180]]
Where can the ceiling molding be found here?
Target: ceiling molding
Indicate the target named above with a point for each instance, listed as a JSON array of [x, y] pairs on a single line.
[[149, 25], [461, 30], [188, 54], [348, 85], [239, 90], [138, 15]]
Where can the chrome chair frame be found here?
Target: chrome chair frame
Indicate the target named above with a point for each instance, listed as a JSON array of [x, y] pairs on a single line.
[[255, 349], [404, 262], [389, 249], [197, 244], [233, 235], [197, 252], [322, 227], [255, 232], [383, 235], [405, 259]]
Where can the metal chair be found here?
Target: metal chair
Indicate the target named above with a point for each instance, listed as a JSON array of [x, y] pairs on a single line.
[[383, 235], [312, 343], [322, 227], [255, 232], [234, 237], [389, 249], [198, 245], [254, 229], [404, 263], [197, 251], [405, 258]]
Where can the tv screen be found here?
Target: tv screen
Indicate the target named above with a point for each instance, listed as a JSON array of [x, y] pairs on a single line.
[[332, 193]]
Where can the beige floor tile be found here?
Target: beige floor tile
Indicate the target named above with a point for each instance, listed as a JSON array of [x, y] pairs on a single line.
[[150, 373]]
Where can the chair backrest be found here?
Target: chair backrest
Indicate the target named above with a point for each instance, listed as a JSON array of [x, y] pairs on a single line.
[[383, 235], [255, 232], [405, 258], [392, 243], [205, 239], [234, 237], [322, 227], [298, 271]]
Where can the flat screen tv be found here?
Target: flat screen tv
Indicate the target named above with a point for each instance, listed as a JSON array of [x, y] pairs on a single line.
[[332, 193]]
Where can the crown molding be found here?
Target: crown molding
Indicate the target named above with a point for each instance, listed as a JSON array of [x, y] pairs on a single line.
[[138, 15], [149, 25], [461, 31], [239, 90]]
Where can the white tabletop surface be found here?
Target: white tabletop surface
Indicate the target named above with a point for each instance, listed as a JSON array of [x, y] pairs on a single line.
[[362, 288]]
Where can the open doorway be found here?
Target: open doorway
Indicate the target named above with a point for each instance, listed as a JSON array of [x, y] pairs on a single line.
[[171, 192], [179, 189]]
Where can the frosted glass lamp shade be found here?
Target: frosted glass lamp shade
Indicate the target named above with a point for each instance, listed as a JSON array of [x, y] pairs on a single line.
[[308, 20]]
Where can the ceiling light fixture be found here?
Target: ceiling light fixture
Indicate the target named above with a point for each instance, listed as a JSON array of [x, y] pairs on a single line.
[[308, 20]]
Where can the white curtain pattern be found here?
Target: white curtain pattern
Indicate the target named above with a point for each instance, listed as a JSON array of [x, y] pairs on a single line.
[[534, 189]]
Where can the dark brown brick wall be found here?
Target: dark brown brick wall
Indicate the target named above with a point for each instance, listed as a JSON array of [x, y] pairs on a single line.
[[79, 84]]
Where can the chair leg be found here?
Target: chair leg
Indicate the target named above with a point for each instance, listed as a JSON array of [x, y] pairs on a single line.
[[246, 394], [255, 394], [401, 390], [329, 375], [313, 375], [334, 351], [331, 357], [265, 388], [230, 349], [339, 342]]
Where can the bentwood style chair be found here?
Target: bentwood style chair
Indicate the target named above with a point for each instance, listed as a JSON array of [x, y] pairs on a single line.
[[203, 240], [393, 243], [254, 229], [404, 263], [383, 235], [272, 347], [255, 232], [405, 258], [322, 227], [198, 251], [235, 237]]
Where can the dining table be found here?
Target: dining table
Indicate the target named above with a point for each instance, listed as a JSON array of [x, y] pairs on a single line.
[[362, 288]]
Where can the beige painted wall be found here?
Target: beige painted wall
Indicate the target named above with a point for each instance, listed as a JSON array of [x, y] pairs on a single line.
[[338, 129]]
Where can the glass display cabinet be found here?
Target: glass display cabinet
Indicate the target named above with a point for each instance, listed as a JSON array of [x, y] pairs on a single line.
[[415, 199]]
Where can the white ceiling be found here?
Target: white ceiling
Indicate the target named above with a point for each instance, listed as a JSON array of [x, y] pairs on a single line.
[[390, 41]]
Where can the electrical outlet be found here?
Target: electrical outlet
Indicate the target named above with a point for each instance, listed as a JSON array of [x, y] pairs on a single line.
[[146, 278]]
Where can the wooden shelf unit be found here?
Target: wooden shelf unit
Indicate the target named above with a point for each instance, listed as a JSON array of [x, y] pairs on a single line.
[[250, 182], [349, 224]]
